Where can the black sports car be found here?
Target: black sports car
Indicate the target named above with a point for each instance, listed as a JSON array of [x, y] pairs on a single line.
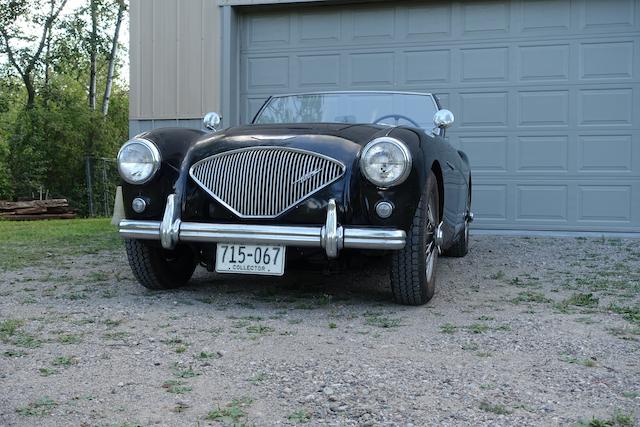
[[320, 176]]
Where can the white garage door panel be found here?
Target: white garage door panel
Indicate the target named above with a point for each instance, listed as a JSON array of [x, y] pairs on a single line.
[[546, 93]]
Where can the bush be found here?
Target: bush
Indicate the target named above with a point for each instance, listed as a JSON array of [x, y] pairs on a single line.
[[45, 147]]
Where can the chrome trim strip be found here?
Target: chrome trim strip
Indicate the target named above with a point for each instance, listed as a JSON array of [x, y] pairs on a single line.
[[357, 237], [339, 92], [145, 230], [331, 237]]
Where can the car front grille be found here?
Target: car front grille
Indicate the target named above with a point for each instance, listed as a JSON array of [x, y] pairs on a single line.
[[264, 182]]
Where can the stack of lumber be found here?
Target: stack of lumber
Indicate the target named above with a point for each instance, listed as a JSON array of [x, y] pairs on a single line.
[[36, 209]]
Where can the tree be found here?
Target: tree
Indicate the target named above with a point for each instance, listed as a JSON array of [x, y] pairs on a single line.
[[26, 59], [122, 7], [93, 54], [49, 130]]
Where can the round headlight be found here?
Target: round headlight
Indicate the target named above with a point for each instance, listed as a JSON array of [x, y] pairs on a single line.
[[385, 162], [138, 161]]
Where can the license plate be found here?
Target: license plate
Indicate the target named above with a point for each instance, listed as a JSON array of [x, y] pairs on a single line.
[[250, 259]]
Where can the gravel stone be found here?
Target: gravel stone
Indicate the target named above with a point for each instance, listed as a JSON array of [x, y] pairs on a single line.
[[502, 343]]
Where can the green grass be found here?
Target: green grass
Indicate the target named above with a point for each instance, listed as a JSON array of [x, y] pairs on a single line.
[[300, 416], [589, 363], [39, 408], [184, 372], [448, 328], [582, 300], [69, 339], [631, 314], [232, 414], [478, 328], [618, 419], [530, 297], [64, 361], [380, 321], [32, 242], [9, 327], [45, 372], [204, 355], [496, 409], [10, 333], [260, 329], [176, 387]]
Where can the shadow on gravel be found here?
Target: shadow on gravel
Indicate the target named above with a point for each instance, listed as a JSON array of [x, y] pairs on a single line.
[[363, 285]]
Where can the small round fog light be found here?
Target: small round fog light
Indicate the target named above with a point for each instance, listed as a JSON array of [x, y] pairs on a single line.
[[139, 205], [384, 209]]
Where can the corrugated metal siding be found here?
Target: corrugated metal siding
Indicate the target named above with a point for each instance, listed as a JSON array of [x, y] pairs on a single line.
[[173, 50]]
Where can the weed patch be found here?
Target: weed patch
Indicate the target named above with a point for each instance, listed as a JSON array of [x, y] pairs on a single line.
[[176, 387], [231, 414], [495, 409], [299, 416], [39, 408]]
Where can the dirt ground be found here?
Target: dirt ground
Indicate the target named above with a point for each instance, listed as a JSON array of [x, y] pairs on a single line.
[[523, 331]]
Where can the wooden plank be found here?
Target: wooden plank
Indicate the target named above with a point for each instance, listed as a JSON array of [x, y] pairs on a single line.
[[38, 217], [31, 211], [10, 206]]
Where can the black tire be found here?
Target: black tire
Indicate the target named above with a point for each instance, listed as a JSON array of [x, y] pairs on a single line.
[[412, 283], [461, 246], [158, 268]]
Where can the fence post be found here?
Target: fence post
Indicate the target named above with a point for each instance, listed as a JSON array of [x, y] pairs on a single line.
[[105, 188], [87, 175]]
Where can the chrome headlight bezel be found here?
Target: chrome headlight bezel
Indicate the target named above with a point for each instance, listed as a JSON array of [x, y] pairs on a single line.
[[154, 155], [406, 155]]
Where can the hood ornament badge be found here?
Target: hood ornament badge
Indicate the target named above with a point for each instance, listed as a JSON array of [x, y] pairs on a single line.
[[308, 176]]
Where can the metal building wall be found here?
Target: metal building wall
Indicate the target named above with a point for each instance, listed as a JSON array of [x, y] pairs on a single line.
[[174, 74]]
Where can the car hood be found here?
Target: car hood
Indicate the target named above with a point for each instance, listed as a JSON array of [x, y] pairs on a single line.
[[340, 141]]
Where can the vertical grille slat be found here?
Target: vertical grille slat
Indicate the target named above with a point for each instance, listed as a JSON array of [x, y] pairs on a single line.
[[264, 182]]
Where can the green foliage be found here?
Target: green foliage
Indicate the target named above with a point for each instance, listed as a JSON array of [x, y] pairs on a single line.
[[48, 144], [43, 146]]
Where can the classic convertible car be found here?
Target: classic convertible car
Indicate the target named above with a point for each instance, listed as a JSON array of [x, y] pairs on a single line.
[[319, 176]]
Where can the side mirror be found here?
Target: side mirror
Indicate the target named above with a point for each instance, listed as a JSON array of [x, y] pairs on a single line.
[[212, 121], [443, 119]]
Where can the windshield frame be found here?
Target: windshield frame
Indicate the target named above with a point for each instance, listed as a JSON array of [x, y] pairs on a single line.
[[434, 100]]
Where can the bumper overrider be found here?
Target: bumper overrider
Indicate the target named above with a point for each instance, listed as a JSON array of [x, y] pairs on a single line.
[[331, 237]]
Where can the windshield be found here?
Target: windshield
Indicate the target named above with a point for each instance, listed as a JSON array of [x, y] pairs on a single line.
[[391, 109]]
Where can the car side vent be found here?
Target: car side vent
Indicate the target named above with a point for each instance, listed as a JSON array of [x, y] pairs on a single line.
[[264, 182]]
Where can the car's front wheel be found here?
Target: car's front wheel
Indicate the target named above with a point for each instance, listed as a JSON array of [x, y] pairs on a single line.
[[413, 269], [158, 268]]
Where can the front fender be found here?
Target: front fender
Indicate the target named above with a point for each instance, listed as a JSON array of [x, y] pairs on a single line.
[[173, 144], [406, 196]]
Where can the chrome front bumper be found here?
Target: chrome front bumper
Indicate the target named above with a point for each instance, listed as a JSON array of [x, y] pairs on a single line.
[[331, 237]]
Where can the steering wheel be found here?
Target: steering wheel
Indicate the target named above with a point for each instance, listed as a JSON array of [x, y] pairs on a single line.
[[397, 117]]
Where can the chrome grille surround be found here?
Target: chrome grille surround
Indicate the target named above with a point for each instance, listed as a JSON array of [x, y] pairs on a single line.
[[266, 181]]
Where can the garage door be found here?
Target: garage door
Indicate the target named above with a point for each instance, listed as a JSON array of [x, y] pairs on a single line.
[[546, 93]]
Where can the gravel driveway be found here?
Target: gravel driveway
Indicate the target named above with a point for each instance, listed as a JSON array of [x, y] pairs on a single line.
[[523, 331]]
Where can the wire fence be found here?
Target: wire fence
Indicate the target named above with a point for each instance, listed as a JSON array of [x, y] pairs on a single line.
[[101, 180]]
